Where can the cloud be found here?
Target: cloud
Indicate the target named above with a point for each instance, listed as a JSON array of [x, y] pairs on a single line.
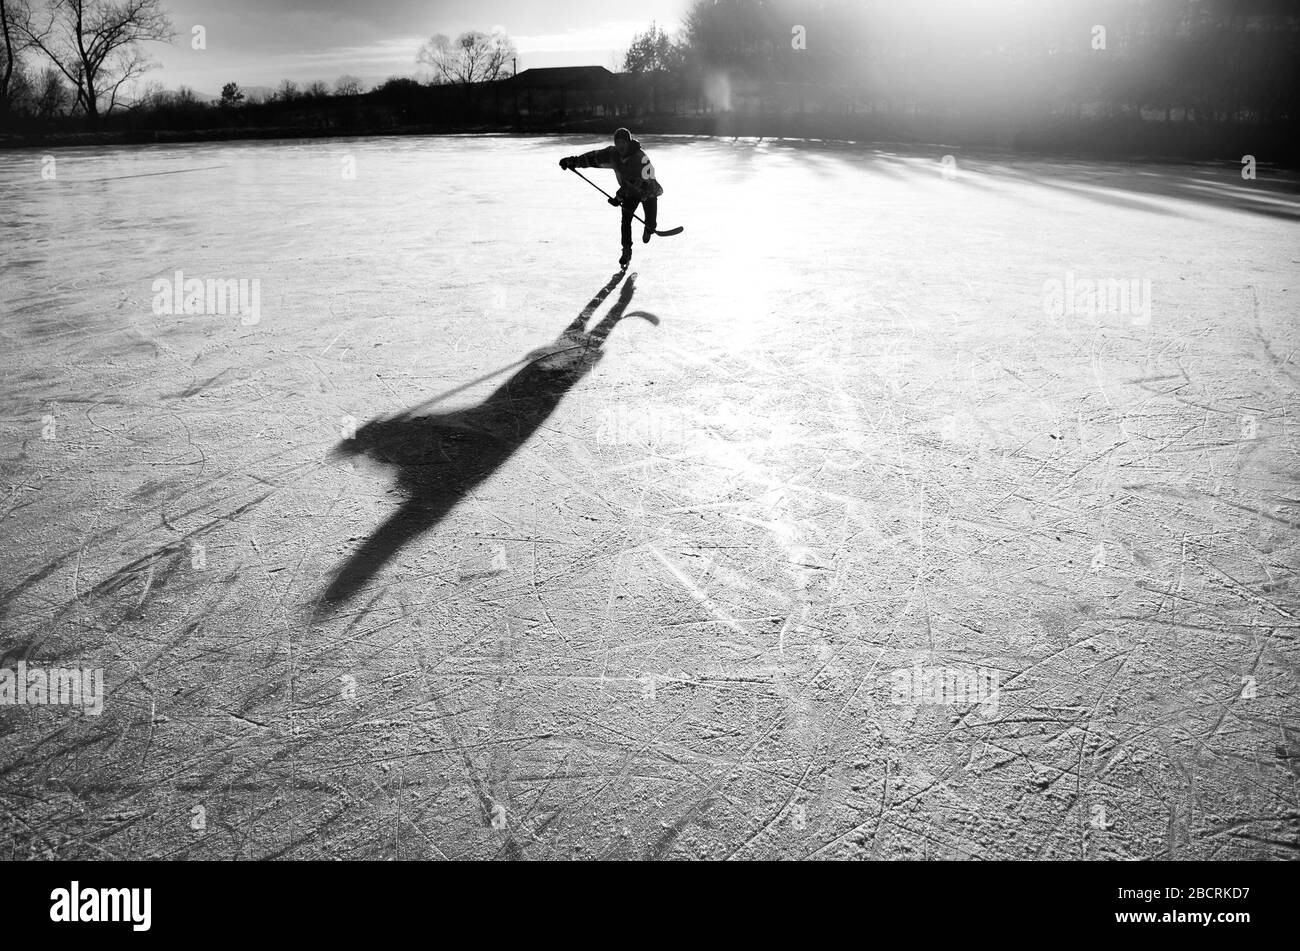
[[606, 36], [394, 51]]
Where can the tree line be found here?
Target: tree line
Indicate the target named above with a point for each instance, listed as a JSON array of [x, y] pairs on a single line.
[[89, 53], [762, 65]]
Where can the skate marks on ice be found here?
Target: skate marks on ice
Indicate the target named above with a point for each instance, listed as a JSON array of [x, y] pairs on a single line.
[[962, 483], [440, 458]]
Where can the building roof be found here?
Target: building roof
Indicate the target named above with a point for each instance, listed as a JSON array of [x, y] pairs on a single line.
[[565, 77]]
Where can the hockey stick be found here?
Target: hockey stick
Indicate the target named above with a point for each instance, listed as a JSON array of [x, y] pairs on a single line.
[[534, 357], [662, 234]]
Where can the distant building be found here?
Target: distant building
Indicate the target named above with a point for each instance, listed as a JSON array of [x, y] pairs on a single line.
[[564, 92]]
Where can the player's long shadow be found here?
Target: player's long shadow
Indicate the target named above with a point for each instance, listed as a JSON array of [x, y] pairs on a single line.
[[441, 457]]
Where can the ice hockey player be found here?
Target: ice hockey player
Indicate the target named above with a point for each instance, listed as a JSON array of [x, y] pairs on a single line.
[[636, 183]]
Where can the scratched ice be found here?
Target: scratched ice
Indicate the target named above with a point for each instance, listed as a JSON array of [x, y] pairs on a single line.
[[402, 525]]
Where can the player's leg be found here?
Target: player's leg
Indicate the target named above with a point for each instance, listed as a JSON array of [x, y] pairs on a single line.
[[651, 206], [629, 209]]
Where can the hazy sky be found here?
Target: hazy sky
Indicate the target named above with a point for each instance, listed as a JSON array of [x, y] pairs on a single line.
[[260, 42]]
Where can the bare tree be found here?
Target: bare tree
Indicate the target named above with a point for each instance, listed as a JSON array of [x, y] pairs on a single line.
[[474, 57], [96, 44], [50, 97], [316, 89], [22, 91], [347, 85], [287, 91], [152, 96], [14, 42]]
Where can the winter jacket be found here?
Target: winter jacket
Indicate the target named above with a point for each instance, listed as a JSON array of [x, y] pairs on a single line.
[[635, 174]]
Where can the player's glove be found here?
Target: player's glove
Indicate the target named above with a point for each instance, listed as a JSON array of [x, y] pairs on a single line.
[[615, 202], [568, 162]]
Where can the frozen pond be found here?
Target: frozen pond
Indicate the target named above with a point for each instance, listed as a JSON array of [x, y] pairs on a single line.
[[899, 507]]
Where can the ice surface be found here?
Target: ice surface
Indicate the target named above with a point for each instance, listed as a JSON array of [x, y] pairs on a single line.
[[648, 584]]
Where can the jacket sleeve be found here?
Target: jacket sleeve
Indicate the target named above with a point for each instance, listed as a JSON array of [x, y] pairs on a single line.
[[599, 158]]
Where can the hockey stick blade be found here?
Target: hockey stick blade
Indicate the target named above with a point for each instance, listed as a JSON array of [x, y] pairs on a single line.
[[669, 234]]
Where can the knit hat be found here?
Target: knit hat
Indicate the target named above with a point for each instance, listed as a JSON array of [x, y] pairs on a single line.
[[621, 133]]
